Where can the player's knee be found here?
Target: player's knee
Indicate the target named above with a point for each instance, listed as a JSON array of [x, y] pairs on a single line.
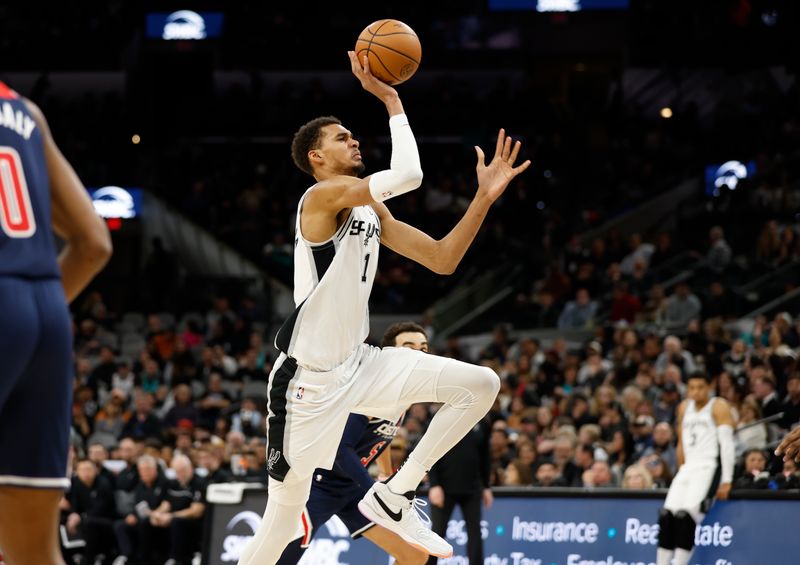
[[487, 385], [666, 529], [684, 530]]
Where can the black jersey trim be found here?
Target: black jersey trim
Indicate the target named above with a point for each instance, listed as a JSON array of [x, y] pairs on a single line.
[[340, 233], [277, 465], [323, 257], [283, 339]]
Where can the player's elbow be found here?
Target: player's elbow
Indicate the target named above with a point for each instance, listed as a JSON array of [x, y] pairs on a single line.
[[411, 178], [445, 268], [95, 245]]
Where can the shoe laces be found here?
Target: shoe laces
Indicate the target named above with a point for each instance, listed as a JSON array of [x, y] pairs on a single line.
[[418, 505]]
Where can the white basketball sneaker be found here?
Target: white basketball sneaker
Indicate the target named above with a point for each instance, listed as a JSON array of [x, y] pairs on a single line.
[[401, 514]]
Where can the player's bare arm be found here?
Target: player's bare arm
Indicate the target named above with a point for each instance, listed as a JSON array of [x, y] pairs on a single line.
[[679, 431], [326, 205], [723, 417], [88, 243], [443, 256]]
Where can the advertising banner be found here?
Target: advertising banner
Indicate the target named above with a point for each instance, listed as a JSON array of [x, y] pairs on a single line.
[[551, 531]]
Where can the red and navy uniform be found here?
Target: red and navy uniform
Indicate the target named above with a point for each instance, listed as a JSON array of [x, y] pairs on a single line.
[[35, 330], [338, 491]]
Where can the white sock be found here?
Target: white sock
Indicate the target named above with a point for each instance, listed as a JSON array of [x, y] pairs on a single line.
[[664, 556], [468, 392], [280, 523], [682, 556]]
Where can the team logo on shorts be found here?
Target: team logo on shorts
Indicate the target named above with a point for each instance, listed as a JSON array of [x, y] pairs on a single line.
[[300, 392], [274, 457]]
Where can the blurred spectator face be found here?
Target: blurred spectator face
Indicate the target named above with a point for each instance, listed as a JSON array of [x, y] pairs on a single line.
[[86, 472], [789, 467], [235, 441], [183, 469], [127, 450], [682, 290], [672, 345], [151, 367], [635, 478], [526, 453], [762, 388], [643, 380], [143, 402], [739, 347], [154, 323], [544, 417], [546, 474], [584, 456], [148, 470], [755, 462], [698, 390], [215, 382], [207, 356], [499, 442], [662, 434], [419, 411], [748, 412], [601, 473], [793, 386], [97, 454], [655, 466], [642, 427], [183, 395], [630, 339], [499, 425], [106, 355], [582, 297], [562, 452], [672, 374]]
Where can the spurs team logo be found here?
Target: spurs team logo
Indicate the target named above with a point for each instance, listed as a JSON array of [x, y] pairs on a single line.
[[274, 457], [299, 394]]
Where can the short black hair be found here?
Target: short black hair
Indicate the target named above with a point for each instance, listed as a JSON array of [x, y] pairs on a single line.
[[307, 138], [699, 375], [401, 327]]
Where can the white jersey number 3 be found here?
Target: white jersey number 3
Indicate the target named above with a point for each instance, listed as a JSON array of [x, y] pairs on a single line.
[[16, 213]]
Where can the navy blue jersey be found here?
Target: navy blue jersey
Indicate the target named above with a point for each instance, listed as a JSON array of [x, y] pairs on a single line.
[[27, 248], [363, 440]]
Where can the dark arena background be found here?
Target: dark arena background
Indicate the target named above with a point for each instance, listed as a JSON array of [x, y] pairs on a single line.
[[657, 232]]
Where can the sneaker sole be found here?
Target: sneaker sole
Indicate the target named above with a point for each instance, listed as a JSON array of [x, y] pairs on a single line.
[[365, 509]]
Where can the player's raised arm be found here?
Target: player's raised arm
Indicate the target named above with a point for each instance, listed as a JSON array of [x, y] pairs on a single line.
[[88, 243], [444, 255]]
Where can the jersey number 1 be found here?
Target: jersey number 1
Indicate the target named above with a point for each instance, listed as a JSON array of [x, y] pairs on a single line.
[[366, 264], [16, 213]]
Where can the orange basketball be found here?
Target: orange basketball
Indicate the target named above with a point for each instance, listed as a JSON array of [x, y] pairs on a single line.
[[393, 49]]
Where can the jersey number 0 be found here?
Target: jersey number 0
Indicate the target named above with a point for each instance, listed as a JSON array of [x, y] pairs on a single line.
[[16, 213]]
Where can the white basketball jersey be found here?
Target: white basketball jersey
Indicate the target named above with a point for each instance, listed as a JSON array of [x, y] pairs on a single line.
[[332, 284], [699, 434]]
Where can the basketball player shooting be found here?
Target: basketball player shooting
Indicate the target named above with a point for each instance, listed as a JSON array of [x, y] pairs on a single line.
[[325, 371], [38, 191], [705, 446]]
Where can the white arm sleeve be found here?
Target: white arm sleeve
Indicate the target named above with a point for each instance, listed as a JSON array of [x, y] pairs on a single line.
[[726, 452], [405, 173]]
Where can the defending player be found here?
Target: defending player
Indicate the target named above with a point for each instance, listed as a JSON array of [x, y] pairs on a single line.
[[38, 189], [325, 371], [338, 491], [705, 447]]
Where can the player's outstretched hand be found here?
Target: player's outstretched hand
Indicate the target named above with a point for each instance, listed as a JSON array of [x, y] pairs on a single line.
[[367, 79], [790, 446], [494, 177]]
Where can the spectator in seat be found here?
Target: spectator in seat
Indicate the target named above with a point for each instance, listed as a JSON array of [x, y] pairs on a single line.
[[563, 453], [719, 253], [599, 475], [674, 353], [748, 435], [789, 477], [637, 477], [518, 474], [681, 307], [547, 476], [181, 512], [91, 510], [624, 305], [755, 474], [183, 409], [578, 313], [658, 469], [764, 391], [791, 404], [142, 423], [136, 537], [664, 446]]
